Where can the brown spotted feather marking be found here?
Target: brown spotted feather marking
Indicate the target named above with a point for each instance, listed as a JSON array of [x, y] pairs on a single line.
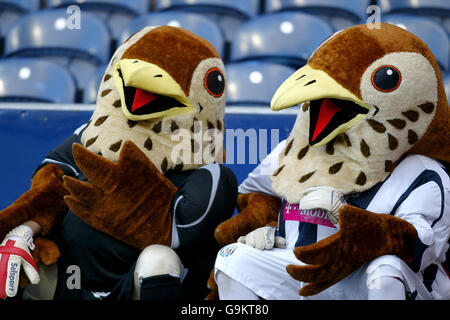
[[393, 142], [91, 141], [157, 127], [361, 179], [397, 123], [278, 170], [105, 92], [115, 146], [335, 168], [306, 176], [148, 144], [288, 147], [377, 126], [411, 115], [100, 120], [427, 107], [365, 150], [302, 152]]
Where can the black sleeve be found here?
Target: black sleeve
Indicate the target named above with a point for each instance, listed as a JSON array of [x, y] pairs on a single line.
[[63, 157], [207, 197]]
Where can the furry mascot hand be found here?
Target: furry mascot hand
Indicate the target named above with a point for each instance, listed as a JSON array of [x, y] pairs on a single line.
[[363, 236], [124, 200], [255, 210]]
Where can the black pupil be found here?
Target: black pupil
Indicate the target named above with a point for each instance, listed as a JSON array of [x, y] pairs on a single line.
[[386, 78], [215, 82]]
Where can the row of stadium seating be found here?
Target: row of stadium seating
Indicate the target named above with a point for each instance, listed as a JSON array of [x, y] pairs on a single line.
[[263, 50]]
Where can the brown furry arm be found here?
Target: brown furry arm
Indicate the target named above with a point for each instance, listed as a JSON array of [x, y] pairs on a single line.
[[363, 236], [255, 210], [43, 203]]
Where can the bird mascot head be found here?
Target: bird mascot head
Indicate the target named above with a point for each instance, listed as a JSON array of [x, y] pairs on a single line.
[[370, 97], [162, 82]]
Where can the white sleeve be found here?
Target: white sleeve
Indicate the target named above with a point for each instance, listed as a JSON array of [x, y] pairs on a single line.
[[259, 179], [427, 208]]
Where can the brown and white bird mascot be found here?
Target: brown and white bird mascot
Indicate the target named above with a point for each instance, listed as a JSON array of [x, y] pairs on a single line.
[[133, 197], [365, 196]]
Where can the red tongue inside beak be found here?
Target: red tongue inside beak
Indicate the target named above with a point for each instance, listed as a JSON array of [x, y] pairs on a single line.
[[327, 110], [141, 98]]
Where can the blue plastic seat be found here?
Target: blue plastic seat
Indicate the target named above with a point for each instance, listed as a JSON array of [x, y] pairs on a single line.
[[429, 31], [53, 35], [253, 83], [339, 14], [229, 14], [438, 10], [35, 80], [11, 10], [116, 14], [447, 86], [193, 22], [283, 37], [90, 90]]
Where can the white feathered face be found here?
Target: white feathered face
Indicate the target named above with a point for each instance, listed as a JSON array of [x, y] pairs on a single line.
[[169, 115], [352, 140]]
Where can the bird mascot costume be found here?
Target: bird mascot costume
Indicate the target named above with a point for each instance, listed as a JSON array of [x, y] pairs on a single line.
[[358, 192], [130, 201]]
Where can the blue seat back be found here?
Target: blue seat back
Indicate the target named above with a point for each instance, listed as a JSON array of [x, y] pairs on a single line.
[[25, 79], [338, 13], [50, 32], [284, 37], [447, 86], [193, 22], [132, 7], [254, 82], [90, 90], [429, 31], [434, 7], [247, 8]]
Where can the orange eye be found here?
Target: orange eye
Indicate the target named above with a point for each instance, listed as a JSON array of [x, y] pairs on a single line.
[[214, 82], [386, 78]]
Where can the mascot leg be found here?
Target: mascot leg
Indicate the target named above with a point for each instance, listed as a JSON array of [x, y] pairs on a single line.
[[388, 286], [230, 289], [157, 275], [46, 287]]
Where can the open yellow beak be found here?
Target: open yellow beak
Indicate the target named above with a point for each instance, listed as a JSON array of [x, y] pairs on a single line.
[[333, 109], [147, 91]]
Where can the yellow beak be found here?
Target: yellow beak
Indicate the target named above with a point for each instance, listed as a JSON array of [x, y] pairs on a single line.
[[133, 74], [308, 84]]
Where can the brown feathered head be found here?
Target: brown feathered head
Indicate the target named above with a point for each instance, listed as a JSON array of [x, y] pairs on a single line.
[[164, 89], [370, 97]]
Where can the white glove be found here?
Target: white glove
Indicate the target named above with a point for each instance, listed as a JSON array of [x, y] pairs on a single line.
[[14, 252], [263, 238], [323, 197]]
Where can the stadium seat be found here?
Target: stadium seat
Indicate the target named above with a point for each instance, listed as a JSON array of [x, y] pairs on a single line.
[[228, 14], [339, 14], [193, 22], [90, 90], [438, 10], [283, 37], [55, 35], [35, 80], [10, 11], [116, 14], [447, 86], [429, 31], [253, 83]]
